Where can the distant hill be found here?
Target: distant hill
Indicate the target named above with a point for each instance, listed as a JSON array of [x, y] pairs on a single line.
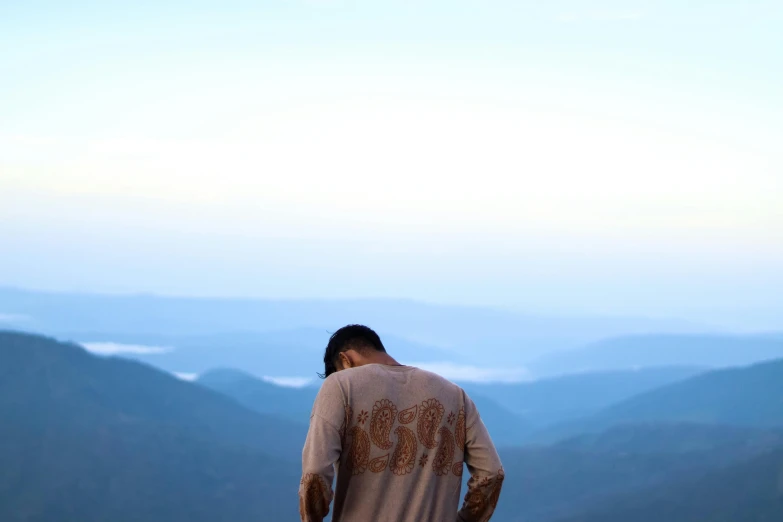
[[750, 491], [94, 439], [748, 396], [261, 396], [676, 438], [514, 338], [558, 399], [505, 427], [640, 351]]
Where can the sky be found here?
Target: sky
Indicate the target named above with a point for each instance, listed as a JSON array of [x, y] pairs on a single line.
[[604, 157]]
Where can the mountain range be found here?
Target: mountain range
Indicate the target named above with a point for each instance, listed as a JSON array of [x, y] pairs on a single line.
[[550, 400], [643, 351], [95, 438]]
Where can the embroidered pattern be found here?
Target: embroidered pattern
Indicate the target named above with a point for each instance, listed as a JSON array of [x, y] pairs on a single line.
[[383, 415], [460, 431], [429, 420], [345, 426], [402, 461], [404, 456], [359, 452], [483, 494], [362, 417], [441, 464], [495, 495], [474, 502], [314, 497], [409, 415], [377, 465]]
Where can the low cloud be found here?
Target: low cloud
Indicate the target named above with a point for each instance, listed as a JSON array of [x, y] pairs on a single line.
[[186, 376], [467, 373], [14, 318], [118, 348], [289, 382]]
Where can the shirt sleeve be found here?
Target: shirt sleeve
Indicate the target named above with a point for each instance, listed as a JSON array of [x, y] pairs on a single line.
[[484, 466], [321, 451]]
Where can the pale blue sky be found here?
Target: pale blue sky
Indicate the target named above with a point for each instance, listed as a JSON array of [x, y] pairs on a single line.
[[604, 157]]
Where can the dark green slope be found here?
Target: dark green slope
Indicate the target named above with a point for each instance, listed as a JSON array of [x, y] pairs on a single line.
[[137, 473], [549, 482], [93, 439], [72, 384], [748, 492]]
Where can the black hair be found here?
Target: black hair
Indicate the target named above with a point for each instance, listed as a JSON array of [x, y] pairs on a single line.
[[351, 337]]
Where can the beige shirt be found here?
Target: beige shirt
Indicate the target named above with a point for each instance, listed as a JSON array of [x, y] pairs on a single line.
[[398, 438]]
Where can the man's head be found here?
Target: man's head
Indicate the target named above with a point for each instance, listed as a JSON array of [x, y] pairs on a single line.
[[351, 346]]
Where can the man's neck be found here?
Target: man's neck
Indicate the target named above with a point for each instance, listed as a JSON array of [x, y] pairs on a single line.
[[384, 358]]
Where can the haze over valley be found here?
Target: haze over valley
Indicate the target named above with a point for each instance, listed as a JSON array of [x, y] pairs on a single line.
[[120, 404]]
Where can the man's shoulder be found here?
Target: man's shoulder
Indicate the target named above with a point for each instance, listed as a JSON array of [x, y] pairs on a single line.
[[435, 378], [372, 371]]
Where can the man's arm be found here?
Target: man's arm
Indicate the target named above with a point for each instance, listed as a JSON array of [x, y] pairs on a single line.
[[486, 470], [321, 451]]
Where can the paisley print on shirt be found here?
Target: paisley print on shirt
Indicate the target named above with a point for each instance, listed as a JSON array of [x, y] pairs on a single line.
[[379, 464], [314, 497], [460, 432], [408, 415], [359, 451], [346, 425], [474, 502], [430, 415], [441, 464], [404, 456], [383, 415], [495, 495]]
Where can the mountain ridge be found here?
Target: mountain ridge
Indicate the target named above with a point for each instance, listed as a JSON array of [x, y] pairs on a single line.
[[750, 396], [93, 438]]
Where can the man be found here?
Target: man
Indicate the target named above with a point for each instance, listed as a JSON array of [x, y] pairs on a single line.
[[398, 436]]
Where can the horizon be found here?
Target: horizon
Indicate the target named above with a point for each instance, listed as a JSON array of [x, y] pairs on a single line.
[[529, 313]]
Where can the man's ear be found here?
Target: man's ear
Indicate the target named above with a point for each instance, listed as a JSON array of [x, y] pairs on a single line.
[[346, 360]]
